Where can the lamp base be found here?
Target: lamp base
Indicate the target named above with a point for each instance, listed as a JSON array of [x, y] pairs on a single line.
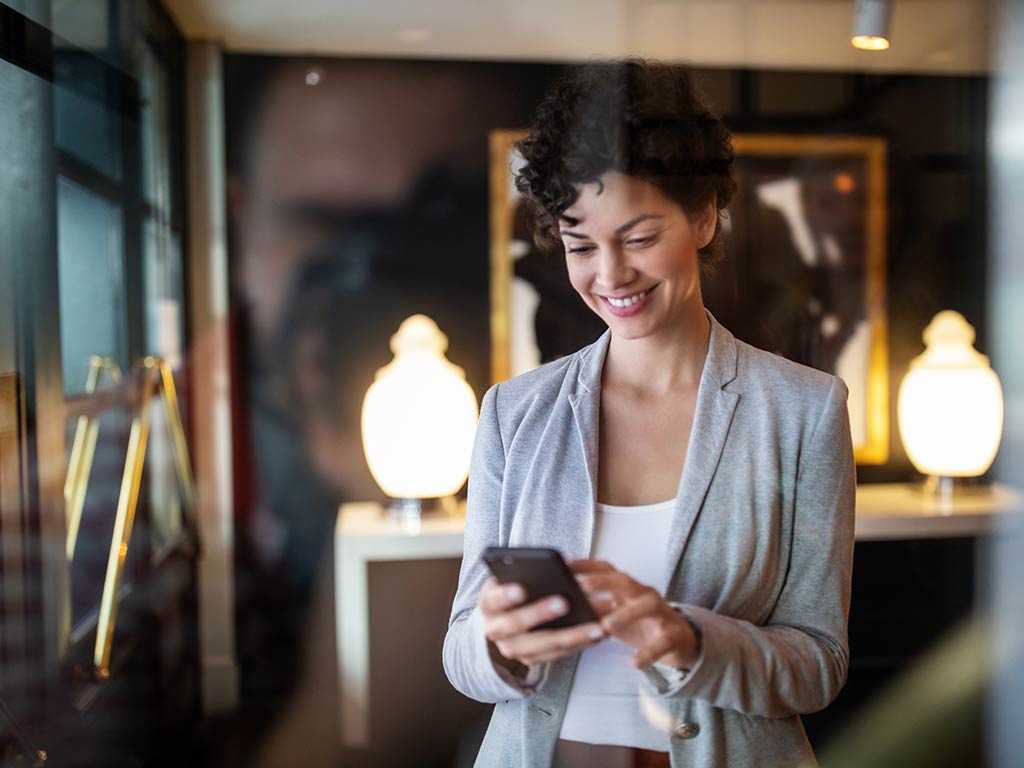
[[410, 511], [943, 485], [943, 490]]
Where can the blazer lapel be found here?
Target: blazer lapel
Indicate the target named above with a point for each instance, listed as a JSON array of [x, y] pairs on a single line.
[[586, 410], [711, 422]]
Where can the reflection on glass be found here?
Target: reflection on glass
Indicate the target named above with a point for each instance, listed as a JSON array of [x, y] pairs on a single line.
[[164, 292], [89, 249], [82, 452], [89, 565], [82, 25], [141, 436], [37, 10], [155, 130], [86, 124], [165, 500]]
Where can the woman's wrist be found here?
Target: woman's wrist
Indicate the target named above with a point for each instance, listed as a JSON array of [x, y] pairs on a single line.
[[692, 646], [515, 668]]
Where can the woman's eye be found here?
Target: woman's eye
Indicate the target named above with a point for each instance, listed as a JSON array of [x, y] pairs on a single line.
[[641, 241], [580, 250]]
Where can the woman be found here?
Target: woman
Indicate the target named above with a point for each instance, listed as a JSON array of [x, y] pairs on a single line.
[[702, 488]]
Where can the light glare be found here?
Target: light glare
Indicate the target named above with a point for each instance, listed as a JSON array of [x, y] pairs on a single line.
[[869, 43]]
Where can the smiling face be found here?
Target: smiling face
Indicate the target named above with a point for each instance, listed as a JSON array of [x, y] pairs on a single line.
[[632, 255]]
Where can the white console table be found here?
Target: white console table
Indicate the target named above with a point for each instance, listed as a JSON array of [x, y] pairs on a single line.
[[901, 511], [363, 534]]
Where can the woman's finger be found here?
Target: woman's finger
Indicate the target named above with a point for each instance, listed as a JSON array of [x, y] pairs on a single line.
[[549, 644], [603, 603], [591, 566], [499, 598], [619, 584], [645, 604], [519, 620]]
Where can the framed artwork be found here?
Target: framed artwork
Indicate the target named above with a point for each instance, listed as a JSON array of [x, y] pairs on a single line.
[[803, 274]]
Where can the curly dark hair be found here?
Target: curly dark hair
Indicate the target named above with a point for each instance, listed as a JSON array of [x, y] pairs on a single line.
[[637, 117]]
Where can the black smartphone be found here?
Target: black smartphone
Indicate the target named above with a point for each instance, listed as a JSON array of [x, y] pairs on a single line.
[[542, 573]]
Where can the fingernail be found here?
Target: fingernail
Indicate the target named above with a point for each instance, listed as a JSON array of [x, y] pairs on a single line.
[[596, 633], [514, 593], [556, 605]]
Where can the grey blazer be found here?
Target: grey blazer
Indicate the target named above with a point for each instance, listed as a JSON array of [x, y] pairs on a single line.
[[760, 551]]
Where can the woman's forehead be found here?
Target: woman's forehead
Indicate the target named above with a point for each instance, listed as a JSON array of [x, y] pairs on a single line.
[[614, 196]]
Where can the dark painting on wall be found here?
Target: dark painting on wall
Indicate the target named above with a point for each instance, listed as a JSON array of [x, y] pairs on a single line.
[[804, 274]]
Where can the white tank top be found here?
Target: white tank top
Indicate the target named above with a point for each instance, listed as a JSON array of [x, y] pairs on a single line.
[[604, 703]]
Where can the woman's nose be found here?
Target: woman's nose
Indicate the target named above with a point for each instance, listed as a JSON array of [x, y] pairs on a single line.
[[612, 269]]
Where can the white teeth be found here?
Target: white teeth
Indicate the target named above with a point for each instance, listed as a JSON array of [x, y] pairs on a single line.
[[629, 300]]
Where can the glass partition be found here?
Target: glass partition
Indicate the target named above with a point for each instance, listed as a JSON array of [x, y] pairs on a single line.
[[90, 247]]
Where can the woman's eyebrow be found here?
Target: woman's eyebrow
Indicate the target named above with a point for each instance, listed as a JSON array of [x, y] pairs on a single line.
[[624, 228], [633, 222]]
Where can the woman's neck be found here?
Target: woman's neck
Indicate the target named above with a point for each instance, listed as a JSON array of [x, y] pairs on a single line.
[[663, 362]]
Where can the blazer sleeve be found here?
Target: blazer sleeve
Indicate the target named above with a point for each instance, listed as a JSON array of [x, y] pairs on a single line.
[[466, 654], [795, 663]]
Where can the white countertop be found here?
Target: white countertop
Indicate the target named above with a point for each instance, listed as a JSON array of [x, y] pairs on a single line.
[[368, 518], [884, 511], [904, 511]]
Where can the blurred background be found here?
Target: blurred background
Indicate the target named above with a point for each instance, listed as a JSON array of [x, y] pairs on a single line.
[[214, 217]]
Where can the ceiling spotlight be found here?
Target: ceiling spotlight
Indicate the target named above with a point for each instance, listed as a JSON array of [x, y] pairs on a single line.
[[871, 24], [314, 75]]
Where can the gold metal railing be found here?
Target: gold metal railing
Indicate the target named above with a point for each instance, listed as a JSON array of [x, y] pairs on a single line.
[[83, 449], [157, 381]]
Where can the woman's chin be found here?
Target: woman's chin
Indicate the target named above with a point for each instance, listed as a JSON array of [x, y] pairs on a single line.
[[630, 329]]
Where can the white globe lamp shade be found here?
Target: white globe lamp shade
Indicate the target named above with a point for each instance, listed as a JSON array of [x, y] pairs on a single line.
[[419, 417], [950, 403]]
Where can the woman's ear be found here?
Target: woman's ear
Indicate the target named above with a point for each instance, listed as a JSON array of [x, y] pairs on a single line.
[[706, 221]]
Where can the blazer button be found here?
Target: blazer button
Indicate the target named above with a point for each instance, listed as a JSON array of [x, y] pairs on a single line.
[[685, 730]]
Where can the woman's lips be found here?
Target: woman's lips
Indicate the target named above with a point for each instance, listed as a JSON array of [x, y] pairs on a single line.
[[640, 300]]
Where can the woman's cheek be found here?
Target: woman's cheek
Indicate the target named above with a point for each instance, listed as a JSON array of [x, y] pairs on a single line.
[[581, 284]]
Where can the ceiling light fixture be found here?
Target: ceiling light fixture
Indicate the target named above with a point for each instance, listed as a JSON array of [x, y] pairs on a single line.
[[314, 75], [871, 24]]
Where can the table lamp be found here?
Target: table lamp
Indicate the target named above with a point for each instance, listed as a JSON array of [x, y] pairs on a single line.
[[950, 406], [418, 421]]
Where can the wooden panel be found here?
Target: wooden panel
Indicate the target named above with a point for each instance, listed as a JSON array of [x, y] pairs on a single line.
[[8, 403], [9, 485], [12, 584]]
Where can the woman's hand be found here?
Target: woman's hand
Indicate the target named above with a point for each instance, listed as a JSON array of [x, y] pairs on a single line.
[[509, 627], [637, 615]]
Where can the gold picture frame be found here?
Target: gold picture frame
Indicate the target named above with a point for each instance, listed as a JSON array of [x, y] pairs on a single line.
[[502, 217], [776, 168]]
